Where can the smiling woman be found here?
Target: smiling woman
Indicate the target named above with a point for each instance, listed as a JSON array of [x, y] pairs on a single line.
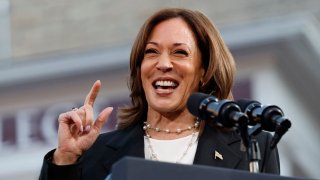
[[170, 71], [176, 53], [193, 37]]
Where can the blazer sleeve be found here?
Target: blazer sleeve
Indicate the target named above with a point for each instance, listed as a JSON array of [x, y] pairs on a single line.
[[270, 162], [50, 171]]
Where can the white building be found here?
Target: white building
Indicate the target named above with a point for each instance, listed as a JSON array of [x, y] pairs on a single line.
[[277, 55]]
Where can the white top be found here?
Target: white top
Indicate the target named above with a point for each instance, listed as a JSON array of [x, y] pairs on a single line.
[[176, 151]]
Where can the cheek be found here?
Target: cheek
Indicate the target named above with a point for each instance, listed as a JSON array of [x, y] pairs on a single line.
[[193, 74], [191, 70], [145, 71]]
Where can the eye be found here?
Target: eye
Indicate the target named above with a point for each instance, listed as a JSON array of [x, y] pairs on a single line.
[[181, 52], [150, 51]]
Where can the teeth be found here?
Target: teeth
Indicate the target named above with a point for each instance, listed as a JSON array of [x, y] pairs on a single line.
[[165, 83]]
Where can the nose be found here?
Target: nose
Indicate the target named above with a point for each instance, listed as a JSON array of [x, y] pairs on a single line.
[[164, 64]]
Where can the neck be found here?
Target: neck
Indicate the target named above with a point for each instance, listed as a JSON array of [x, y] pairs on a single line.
[[171, 121]]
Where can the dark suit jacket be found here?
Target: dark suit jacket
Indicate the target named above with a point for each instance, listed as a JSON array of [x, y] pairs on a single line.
[[110, 147]]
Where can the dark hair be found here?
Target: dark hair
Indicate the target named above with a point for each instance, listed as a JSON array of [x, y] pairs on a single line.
[[216, 58]]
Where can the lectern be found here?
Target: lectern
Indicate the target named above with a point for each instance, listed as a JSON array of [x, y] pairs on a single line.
[[130, 168]]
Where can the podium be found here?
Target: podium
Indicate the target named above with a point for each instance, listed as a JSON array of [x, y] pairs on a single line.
[[130, 168]]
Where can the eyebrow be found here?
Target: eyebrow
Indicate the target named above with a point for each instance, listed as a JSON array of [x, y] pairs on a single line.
[[174, 44]]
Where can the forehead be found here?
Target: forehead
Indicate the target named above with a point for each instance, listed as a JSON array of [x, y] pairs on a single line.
[[174, 30]]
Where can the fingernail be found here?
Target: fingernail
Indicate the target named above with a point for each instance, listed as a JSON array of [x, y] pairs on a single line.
[[81, 128], [87, 128]]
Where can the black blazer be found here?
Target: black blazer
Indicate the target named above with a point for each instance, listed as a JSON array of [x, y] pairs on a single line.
[[110, 147]]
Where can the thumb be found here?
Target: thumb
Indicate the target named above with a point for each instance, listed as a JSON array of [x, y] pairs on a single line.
[[102, 118]]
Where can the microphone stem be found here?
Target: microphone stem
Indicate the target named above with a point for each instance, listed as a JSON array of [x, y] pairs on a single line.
[[254, 166], [254, 156]]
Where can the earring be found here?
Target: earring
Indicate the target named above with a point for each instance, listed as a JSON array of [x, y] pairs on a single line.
[[212, 92], [201, 84]]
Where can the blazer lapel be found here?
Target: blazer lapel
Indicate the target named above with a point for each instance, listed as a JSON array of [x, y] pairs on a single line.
[[217, 148], [129, 142]]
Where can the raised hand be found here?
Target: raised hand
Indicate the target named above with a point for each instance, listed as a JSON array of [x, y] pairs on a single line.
[[78, 130]]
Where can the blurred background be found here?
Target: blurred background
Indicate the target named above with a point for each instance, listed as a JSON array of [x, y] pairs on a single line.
[[51, 52]]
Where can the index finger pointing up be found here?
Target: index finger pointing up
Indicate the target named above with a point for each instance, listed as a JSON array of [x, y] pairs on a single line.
[[91, 97]]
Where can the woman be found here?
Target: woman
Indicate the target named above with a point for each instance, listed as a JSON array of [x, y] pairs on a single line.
[[176, 53]]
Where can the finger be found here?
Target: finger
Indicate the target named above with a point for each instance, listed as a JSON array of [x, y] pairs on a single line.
[[102, 118], [82, 114], [74, 130], [73, 117], [92, 95], [88, 117]]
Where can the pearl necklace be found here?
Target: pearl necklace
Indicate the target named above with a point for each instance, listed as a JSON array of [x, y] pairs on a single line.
[[154, 156], [148, 126]]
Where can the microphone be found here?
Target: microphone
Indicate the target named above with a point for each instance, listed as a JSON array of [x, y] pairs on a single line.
[[224, 113], [270, 117]]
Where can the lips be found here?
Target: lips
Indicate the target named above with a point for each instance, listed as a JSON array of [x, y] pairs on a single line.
[[165, 84]]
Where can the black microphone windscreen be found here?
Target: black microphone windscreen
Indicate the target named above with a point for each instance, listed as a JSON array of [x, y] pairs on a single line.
[[244, 103], [194, 103]]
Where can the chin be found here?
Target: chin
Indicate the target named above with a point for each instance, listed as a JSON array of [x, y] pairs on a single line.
[[165, 107]]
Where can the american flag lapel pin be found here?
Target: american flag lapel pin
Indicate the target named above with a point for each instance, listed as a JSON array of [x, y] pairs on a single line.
[[217, 155]]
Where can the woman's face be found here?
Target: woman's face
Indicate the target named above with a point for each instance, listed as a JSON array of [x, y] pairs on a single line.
[[171, 69]]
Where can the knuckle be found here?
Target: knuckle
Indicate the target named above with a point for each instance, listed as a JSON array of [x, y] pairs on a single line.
[[62, 116], [71, 113], [86, 107], [100, 119]]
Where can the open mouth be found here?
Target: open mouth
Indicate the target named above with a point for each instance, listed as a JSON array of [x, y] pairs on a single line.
[[165, 84]]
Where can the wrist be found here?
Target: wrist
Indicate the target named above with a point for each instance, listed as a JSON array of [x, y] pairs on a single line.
[[64, 158]]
